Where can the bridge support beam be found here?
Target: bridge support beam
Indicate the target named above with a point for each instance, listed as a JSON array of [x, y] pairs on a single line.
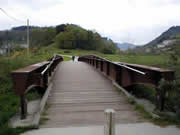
[[108, 68], [93, 62], [160, 99], [97, 64], [23, 102], [102, 67]]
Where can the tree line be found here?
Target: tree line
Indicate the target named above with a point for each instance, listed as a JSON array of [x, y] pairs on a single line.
[[64, 36], [71, 36]]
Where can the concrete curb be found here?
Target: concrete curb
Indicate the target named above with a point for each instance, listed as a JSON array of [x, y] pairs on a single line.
[[44, 101], [41, 107]]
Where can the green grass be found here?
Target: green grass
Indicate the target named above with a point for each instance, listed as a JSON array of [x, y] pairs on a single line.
[[6, 130], [9, 102], [163, 120], [33, 96], [66, 58], [141, 110], [144, 91], [150, 60]]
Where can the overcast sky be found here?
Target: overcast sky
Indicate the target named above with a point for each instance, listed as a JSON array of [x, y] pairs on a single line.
[[134, 21]]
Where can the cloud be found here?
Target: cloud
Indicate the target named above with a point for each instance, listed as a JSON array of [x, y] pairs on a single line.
[[31, 4], [152, 3], [137, 21]]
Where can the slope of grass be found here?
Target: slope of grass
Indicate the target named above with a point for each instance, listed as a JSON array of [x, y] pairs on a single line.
[[150, 60]]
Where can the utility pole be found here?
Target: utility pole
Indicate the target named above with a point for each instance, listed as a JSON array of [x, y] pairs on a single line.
[[28, 37]]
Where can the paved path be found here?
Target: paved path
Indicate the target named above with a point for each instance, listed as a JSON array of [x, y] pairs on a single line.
[[121, 129], [79, 96]]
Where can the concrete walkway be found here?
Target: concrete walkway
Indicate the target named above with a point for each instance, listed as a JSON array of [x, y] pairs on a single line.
[[121, 129], [79, 96]]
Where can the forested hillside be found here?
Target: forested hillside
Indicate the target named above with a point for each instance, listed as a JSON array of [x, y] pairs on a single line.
[[75, 37], [64, 36]]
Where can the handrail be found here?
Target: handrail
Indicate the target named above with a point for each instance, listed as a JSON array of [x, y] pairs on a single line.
[[135, 70], [148, 72], [49, 65], [122, 65]]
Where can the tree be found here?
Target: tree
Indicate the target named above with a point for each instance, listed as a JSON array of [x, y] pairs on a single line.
[[74, 36], [42, 36], [60, 28]]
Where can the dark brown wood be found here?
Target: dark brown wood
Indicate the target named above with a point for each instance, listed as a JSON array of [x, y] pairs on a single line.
[[130, 77], [102, 66], [31, 76], [25, 77], [23, 102], [97, 64], [108, 68]]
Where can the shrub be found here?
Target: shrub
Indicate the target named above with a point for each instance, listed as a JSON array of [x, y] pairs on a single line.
[[67, 51], [144, 91], [108, 51]]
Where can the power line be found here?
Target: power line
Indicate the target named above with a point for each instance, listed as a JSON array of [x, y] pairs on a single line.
[[17, 20], [13, 18]]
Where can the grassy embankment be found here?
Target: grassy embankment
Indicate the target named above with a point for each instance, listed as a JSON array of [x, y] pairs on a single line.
[[9, 102]]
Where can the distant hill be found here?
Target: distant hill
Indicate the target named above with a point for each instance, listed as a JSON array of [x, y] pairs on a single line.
[[125, 46], [22, 28], [167, 42], [169, 34]]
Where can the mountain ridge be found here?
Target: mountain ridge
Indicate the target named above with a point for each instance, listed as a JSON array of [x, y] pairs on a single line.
[[168, 34], [125, 46]]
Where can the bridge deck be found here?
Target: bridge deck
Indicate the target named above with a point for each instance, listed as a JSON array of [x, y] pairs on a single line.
[[79, 96]]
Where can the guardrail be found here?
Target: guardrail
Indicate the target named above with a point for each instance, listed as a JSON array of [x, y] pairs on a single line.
[[129, 74], [33, 76]]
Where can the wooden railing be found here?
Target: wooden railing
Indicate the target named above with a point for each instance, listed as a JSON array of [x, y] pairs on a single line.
[[33, 76], [126, 74]]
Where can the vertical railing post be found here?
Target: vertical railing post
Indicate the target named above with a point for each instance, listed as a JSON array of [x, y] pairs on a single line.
[[102, 66], [50, 70], [45, 79], [23, 106], [97, 63], [118, 75], [109, 127], [108, 68], [160, 99]]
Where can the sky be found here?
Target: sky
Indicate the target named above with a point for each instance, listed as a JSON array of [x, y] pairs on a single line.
[[134, 21]]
